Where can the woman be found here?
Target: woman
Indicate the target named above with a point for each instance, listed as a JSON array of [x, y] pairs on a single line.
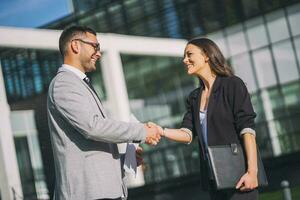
[[219, 112]]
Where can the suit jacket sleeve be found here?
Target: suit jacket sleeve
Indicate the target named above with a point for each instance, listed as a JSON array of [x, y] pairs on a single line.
[[187, 121], [76, 107], [241, 105]]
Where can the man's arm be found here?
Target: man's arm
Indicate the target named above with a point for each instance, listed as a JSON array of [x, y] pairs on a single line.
[[77, 109]]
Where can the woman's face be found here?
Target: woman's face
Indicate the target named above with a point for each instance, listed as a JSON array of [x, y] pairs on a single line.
[[194, 59]]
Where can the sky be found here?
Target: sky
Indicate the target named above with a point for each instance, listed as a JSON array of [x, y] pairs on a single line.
[[32, 13]]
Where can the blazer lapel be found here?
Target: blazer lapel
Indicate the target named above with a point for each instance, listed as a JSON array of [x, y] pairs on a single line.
[[213, 98], [100, 106], [196, 105]]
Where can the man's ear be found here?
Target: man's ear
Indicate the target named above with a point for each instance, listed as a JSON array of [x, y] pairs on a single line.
[[74, 46]]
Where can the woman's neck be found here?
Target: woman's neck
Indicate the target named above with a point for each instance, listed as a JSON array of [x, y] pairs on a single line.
[[208, 79]]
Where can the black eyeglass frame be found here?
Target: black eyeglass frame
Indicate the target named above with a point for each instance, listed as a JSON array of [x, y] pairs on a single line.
[[95, 45]]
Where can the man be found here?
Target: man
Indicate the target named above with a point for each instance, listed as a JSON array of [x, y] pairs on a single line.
[[87, 161]]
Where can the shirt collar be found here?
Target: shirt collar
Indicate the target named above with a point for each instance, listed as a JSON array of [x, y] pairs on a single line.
[[73, 69]]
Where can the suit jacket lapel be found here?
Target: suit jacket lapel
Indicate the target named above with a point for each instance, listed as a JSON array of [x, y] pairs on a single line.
[[196, 110], [213, 99], [96, 98], [100, 106]]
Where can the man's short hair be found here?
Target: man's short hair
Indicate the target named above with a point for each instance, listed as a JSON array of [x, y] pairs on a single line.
[[69, 33]]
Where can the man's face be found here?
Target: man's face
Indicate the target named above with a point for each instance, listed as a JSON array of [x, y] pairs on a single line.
[[89, 52]]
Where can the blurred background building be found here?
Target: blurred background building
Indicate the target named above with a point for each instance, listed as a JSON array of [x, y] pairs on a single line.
[[260, 39]]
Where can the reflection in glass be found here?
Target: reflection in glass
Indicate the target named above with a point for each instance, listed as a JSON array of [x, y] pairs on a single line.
[[242, 68], [173, 162], [157, 88], [264, 68], [256, 33], [285, 62], [297, 45], [98, 82], [294, 18], [251, 7], [286, 108], [159, 167], [236, 40], [29, 155], [27, 72], [219, 39], [276, 23]]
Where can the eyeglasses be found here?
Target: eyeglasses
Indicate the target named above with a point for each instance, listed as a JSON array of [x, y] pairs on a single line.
[[96, 45]]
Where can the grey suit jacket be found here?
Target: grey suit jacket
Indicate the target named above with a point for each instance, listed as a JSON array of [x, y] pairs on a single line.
[[87, 161]]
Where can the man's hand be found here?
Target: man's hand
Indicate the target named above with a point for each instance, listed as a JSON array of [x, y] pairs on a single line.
[[247, 182], [152, 135], [160, 129]]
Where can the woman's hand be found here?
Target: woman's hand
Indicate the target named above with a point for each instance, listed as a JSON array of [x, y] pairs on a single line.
[[247, 182], [160, 129]]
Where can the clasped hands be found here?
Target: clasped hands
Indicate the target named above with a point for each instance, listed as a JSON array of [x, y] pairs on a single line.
[[153, 133]]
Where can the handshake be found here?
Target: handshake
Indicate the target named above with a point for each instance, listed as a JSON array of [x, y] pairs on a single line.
[[153, 133]]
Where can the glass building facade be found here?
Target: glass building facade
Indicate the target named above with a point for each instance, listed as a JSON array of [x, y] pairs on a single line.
[[260, 39]]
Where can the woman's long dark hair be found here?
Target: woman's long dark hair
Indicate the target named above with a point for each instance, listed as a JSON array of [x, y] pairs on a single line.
[[216, 60]]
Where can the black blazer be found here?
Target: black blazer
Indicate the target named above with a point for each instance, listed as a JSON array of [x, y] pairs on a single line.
[[229, 111]]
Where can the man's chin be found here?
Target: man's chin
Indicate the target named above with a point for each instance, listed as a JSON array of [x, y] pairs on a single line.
[[92, 67]]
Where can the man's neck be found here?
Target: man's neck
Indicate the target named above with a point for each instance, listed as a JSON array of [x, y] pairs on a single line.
[[75, 64]]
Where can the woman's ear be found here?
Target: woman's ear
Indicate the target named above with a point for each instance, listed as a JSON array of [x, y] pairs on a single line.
[[206, 58]]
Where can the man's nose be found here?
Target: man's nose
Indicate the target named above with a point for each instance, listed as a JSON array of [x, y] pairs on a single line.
[[98, 54]]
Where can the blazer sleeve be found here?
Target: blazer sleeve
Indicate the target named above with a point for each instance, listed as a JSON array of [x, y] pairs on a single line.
[[241, 105], [188, 121], [75, 107]]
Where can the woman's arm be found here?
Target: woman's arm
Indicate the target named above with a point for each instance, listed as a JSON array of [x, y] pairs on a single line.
[[249, 179], [251, 152], [183, 135]]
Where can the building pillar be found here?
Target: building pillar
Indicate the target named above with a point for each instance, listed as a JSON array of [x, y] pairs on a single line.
[[117, 98], [10, 183]]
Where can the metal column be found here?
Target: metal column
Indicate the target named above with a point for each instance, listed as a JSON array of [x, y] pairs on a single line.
[[117, 98], [10, 184]]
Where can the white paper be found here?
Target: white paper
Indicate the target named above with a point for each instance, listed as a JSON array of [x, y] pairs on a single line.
[[130, 163]]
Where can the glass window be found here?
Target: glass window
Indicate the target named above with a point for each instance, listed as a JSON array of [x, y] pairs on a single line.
[[205, 10], [28, 72], [116, 17], [251, 7], [291, 94], [150, 7], [242, 67], [101, 21], [285, 62], [28, 151], [297, 45], [256, 33], [264, 68], [269, 5], [294, 18], [231, 14], [277, 26], [98, 82], [236, 40], [134, 11], [219, 39], [171, 19]]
